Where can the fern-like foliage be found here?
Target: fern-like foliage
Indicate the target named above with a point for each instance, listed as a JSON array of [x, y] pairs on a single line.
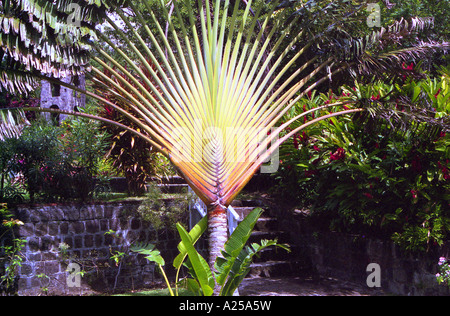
[[381, 54]]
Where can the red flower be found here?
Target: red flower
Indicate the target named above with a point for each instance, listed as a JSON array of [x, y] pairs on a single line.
[[109, 110], [339, 154], [409, 68], [444, 170], [414, 194], [295, 141], [374, 98], [437, 93], [304, 137], [368, 195]]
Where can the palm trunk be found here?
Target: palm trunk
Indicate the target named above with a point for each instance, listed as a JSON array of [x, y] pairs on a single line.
[[217, 234]]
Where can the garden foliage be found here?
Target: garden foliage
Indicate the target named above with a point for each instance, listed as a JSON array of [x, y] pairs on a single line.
[[230, 268], [10, 251], [385, 177], [51, 162]]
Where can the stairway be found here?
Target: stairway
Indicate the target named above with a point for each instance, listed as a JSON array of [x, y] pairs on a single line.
[[173, 184], [273, 261]]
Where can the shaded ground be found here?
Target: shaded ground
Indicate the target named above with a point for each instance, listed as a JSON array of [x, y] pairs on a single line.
[[304, 286]]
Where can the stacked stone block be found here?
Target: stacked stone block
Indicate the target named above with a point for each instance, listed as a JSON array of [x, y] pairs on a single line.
[[93, 234]]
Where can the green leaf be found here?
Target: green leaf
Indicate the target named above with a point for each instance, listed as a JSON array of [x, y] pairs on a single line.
[[199, 265], [235, 244], [195, 234], [193, 286], [241, 266], [149, 250]]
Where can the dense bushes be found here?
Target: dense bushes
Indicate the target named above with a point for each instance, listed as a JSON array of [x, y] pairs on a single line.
[[52, 162], [371, 176]]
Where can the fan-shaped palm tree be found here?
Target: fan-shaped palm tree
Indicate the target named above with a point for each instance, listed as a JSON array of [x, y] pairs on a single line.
[[216, 96]]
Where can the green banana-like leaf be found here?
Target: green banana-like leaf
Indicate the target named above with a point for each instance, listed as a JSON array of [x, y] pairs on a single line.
[[193, 287], [199, 265], [151, 253], [195, 233], [241, 266], [235, 244]]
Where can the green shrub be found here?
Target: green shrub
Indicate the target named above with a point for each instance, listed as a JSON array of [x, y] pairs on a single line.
[[164, 213], [374, 177], [10, 251], [56, 163]]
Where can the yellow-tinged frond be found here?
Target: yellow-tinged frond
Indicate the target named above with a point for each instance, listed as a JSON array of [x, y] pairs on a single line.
[[215, 91]]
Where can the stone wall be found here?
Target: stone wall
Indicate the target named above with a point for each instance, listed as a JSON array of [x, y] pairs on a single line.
[[346, 257], [84, 229]]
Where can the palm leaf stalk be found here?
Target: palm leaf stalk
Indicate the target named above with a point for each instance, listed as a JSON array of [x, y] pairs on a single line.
[[210, 95]]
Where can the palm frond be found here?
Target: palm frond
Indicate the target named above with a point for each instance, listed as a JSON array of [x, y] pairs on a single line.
[[209, 93], [373, 55], [11, 123], [48, 37]]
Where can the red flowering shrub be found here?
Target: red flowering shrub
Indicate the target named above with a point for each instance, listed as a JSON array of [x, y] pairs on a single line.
[[339, 154], [363, 179]]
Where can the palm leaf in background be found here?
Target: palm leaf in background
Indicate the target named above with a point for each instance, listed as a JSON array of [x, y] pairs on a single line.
[[46, 37], [11, 124]]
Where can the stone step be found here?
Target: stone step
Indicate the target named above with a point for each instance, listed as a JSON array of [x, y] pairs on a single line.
[[275, 268], [266, 224], [173, 188], [276, 254], [243, 211], [253, 203], [119, 184], [173, 184], [280, 236], [247, 203], [168, 180]]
